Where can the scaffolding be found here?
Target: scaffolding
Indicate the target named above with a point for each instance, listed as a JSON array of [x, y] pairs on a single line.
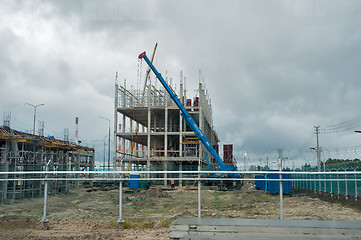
[[22, 152], [149, 122]]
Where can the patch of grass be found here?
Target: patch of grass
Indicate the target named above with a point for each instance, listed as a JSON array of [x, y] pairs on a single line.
[[10, 217], [165, 223], [217, 200], [146, 224], [127, 225], [265, 197], [9, 227]]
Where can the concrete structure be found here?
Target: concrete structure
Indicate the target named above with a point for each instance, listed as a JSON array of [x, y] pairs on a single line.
[[262, 229], [21, 151], [150, 134]]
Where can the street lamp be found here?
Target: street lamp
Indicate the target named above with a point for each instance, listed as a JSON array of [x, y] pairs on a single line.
[[245, 163], [34, 106], [108, 141]]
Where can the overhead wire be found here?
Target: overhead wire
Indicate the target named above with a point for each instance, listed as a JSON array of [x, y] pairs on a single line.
[[343, 126]]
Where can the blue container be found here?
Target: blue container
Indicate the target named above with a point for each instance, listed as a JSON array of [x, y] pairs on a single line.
[[274, 186], [134, 184], [260, 184]]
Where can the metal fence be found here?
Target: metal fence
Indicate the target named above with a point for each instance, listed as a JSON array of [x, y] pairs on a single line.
[[342, 183], [335, 183]]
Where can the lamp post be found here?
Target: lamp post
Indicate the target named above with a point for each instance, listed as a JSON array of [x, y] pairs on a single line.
[[245, 161], [34, 106], [108, 141]]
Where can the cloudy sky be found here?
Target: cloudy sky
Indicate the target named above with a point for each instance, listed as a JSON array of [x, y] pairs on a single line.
[[274, 69]]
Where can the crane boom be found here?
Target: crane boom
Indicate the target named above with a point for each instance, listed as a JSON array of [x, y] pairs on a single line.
[[188, 118], [148, 71]]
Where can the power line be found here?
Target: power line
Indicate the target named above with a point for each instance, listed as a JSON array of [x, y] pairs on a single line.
[[346, 122], [344, 126]]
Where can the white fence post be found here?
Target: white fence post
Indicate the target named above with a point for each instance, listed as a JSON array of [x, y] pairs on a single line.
[[331, 182], [44, 220], [346, 186], [355, 187], [338, 187], [120, 220]]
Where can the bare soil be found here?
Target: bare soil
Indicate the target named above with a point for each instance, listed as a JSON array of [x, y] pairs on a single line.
[[84, 214]]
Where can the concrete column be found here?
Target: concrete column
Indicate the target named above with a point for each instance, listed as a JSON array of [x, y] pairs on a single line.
[[63, 167], [180, 146], [143, 147], [67, 168], [180, 136], [4, 168], [155, 123], [77, 168], [91, 168], [136, 144], [165, 140], [170, 124], [51, 183], [38, 167], [22, 182], [165, 164], [41, 164], [37, 186], [115, 127], [123, 131], [131, 125], [131, 143], [148, 130], [180, 174]]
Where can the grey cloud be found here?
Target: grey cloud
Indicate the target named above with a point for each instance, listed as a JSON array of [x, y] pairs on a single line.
[[274, 69]]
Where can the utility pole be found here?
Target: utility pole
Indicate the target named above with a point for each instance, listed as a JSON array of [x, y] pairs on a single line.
[[318, 152]]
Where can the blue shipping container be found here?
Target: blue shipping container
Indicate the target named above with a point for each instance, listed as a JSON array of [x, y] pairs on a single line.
[[134, 183], [274, 186], [260, 184]]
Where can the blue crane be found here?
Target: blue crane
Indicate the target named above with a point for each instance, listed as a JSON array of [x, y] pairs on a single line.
[[190, 121]]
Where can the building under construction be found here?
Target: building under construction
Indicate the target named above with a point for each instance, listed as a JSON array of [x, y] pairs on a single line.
[[150, 133], [20, 152]]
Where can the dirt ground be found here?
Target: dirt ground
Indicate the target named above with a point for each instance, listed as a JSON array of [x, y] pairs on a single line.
[[92, 214]]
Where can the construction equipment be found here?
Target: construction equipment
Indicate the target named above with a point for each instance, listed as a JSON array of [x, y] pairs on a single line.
[[195, 128]]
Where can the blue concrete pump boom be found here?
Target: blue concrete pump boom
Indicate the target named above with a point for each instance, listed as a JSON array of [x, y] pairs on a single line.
[[188, 118]]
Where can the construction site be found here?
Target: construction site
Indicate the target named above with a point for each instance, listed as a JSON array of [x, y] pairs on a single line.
[[160, 135]]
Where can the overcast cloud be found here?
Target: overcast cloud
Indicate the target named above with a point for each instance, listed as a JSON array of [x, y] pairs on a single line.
[[273, 69]]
